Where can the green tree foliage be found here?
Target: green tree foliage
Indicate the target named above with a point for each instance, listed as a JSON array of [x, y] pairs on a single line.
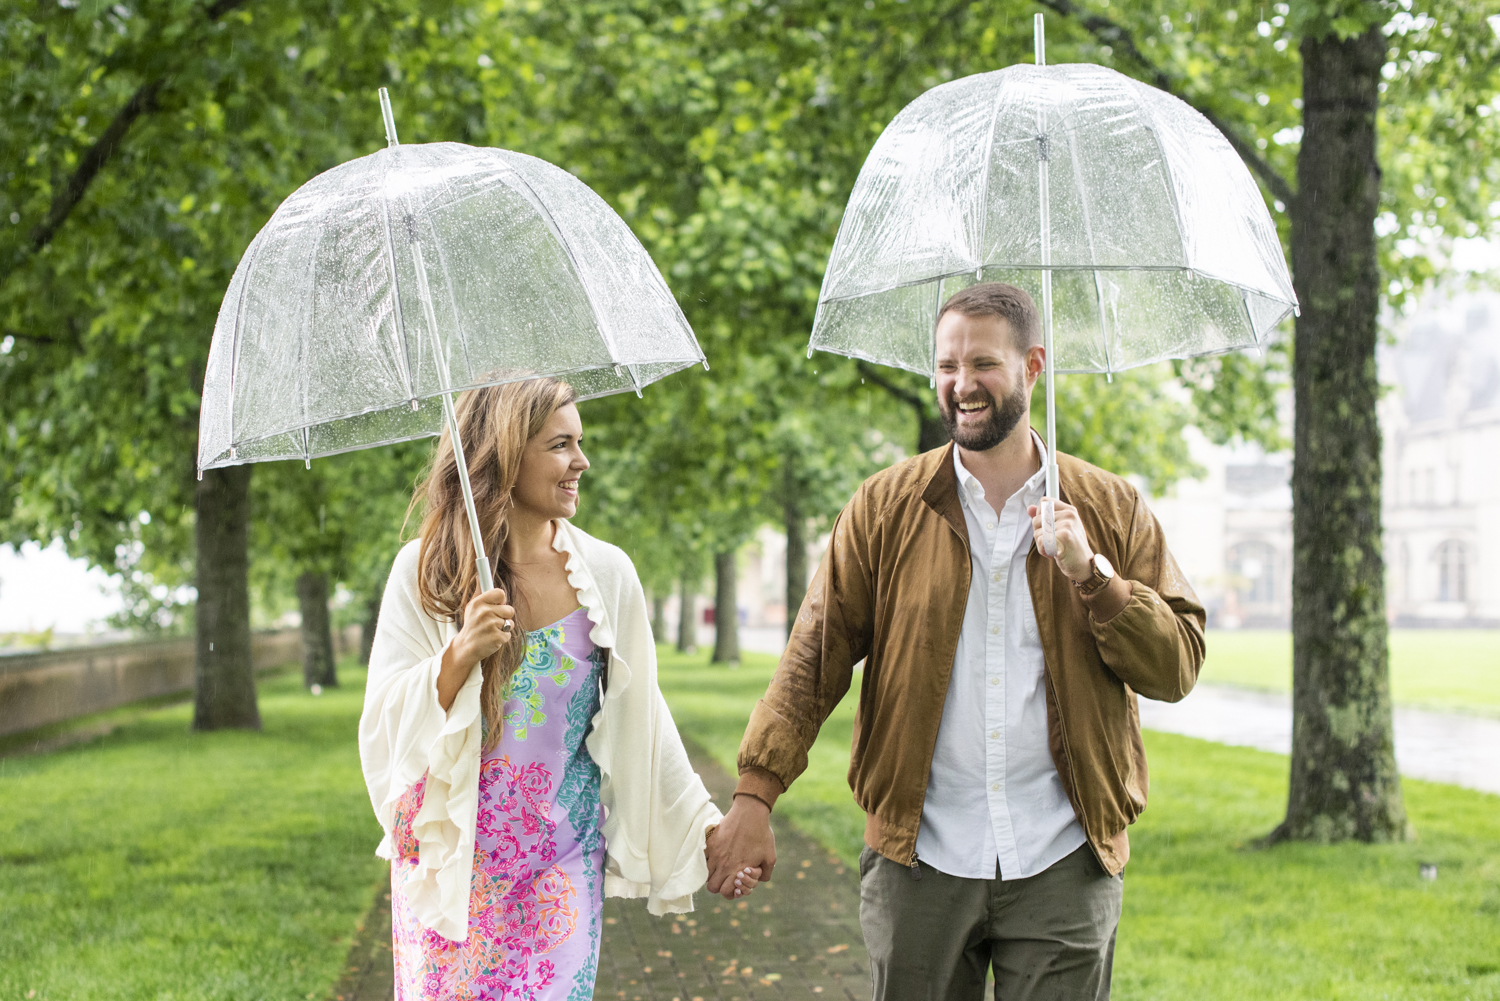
[[143, 146]]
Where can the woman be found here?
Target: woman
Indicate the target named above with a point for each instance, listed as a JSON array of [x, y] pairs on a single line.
[[517, 750]]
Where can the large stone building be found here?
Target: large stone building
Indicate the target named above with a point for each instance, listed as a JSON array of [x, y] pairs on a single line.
[[1441, 422]]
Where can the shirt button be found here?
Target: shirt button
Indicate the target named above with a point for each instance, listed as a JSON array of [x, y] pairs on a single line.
[[994, 734], [996, 577], [989, 524], [994, 681], [995, 629], [995, 787]]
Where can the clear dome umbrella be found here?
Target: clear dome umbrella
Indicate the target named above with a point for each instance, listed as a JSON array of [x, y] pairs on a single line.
[[1123, 211], [386, 285]]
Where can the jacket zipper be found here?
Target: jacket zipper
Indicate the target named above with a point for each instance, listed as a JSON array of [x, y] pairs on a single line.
[[916, 871]]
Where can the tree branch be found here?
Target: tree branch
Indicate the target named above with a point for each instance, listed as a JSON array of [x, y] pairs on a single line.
[[1118, 37], [34, 338], [870, 373], [142, 102]]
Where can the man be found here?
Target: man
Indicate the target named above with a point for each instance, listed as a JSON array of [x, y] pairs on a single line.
[[997, 749]]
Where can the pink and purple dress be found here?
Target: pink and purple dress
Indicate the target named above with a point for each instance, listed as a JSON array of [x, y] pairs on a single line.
[[537, 892]]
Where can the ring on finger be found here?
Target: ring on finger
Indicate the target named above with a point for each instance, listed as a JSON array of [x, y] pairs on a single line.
[[507, 625]]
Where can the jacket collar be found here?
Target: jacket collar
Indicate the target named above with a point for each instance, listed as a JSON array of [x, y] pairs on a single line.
[[940, 493]]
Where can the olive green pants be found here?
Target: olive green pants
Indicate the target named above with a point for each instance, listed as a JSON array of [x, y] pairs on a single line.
[[1049, 936]]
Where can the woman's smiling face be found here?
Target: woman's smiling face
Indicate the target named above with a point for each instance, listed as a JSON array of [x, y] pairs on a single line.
[[551, 464]]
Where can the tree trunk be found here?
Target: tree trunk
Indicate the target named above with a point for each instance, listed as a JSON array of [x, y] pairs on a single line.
[[796, 551], [726, 610], [367, 629], [931, 433], [224, 674], [1344, 782], [658, 615], [317, 631], [687, 626]]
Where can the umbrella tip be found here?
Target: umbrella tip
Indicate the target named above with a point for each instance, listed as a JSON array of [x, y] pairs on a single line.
[[705, 364], [200, 474], [1039, 40], [390, 119]]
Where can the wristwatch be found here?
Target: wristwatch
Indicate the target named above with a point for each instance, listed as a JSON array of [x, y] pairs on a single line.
[[1103, 574]]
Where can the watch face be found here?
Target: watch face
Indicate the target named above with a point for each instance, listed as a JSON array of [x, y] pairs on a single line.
[[1102, 566]]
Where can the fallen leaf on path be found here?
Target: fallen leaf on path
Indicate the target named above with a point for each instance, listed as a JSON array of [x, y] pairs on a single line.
[[837, 948]]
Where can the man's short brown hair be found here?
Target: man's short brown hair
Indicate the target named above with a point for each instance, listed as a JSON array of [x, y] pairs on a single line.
[[1009, 303]]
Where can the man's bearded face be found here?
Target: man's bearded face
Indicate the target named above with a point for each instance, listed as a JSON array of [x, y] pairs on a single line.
[[985, 422]]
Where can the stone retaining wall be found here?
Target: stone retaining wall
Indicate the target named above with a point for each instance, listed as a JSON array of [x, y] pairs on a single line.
[[41, 688]]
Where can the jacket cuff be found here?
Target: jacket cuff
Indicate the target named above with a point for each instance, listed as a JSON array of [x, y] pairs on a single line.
[[761, 784], [1110, 601]]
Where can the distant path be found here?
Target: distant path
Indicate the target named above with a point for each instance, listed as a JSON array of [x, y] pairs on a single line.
[[1437, 746]]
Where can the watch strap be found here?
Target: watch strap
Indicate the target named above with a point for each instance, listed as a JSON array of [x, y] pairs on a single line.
[[1093, 585]]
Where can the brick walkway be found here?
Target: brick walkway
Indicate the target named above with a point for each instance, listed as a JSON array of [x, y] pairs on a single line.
[[795, 937]]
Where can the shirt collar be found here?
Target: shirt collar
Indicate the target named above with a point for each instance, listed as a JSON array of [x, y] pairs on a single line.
[[970, 489]]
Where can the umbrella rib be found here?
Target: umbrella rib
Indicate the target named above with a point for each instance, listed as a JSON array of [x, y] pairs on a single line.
[[1109, 365], [984, 201], [1088, 230], [1166, 169], [304, 343], [234, 344], [1250, 318], [562, 239], [463, 340], [403, 347]]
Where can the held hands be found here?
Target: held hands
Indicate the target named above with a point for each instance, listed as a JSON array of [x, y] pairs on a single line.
[[1074, 557], [741, 851]]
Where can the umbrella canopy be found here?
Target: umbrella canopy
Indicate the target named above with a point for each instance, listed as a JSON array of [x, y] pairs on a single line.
[[1119, 207], [422, 270], [1155, 235], [384, 286]]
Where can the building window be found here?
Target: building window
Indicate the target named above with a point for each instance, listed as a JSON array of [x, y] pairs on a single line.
[[1453, 575], [1255, 564]]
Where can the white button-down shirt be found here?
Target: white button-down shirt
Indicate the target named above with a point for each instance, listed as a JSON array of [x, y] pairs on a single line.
[[994, 796]]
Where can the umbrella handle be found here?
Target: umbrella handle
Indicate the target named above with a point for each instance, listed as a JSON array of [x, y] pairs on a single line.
[[1049, 528]]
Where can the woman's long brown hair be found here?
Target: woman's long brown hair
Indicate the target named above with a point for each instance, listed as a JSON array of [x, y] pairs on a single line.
[[496, 423]]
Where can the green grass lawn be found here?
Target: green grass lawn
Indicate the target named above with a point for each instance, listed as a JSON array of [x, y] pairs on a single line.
[[157, 863], [1206, 914], [1438, 668]]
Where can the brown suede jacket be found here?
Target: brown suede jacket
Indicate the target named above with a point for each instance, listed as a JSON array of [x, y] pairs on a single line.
[[891, 591]]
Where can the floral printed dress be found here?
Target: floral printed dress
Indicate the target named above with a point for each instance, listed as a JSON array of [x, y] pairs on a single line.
[[537, 891]]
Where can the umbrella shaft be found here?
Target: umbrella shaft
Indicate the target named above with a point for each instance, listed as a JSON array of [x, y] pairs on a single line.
[[440, 363], [1045, 218]]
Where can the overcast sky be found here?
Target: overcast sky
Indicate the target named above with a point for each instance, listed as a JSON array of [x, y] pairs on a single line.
[[42, 588]]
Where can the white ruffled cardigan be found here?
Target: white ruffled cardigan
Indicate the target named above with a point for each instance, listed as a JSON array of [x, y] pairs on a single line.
[[657, 809]]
